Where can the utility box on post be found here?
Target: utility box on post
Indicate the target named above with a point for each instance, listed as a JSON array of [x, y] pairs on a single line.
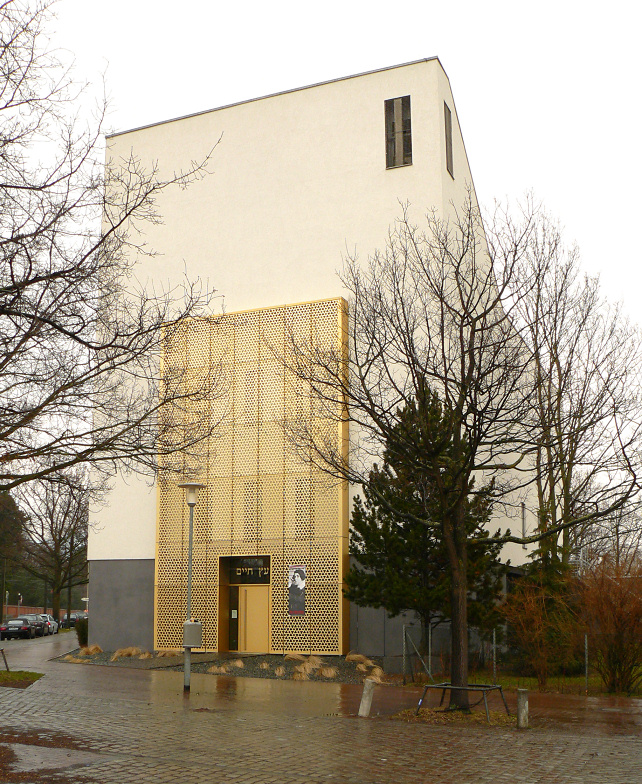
[[192, 634]]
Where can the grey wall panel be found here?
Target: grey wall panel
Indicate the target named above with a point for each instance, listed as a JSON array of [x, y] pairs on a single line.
[[374, 634], [394, 632], [121, 608], [367, 630]]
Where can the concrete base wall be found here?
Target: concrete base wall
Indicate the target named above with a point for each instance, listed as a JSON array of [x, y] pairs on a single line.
[[121, 610]]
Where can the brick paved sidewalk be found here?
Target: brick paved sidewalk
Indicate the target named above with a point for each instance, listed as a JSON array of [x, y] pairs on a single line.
[[148, 742], [137, 728]]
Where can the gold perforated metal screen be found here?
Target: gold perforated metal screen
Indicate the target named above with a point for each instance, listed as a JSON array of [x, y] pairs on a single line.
[[262, 497]]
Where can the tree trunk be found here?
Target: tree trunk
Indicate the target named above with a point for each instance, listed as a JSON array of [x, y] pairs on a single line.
[[455, 538], [4, 585], [69, 604], [459, 638]]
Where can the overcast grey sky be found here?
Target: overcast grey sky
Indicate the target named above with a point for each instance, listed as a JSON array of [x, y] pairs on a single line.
[[547, 93]]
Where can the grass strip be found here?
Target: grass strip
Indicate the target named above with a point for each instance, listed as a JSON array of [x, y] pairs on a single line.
[[18, 679]]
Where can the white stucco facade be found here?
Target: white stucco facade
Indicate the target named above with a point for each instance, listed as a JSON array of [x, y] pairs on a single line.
[[125, 527], [297, 181]]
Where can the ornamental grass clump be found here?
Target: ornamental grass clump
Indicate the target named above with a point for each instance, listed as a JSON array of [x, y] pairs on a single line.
[[125, 653], [90, 650], [305, 667], [74, 659], [216, 670]]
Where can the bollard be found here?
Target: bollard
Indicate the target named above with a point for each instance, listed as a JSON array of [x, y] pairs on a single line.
[[522, 709], [187, 667], [366, 697]]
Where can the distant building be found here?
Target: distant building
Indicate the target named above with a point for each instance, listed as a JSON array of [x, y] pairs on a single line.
[[299, 178]]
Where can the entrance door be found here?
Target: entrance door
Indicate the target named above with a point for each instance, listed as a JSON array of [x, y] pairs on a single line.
[[253, 618]]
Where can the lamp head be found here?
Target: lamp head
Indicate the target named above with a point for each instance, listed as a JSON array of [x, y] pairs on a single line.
[[191, 491]]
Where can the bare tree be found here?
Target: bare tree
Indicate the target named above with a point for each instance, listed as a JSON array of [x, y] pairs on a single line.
[[55, 527], [610, 604], [542, 625], [432, 310], [585, 415], [617, 536], [80, 337], [537, 379]]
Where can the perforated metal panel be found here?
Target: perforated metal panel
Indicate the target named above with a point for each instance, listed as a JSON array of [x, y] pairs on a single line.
[[260, 497]]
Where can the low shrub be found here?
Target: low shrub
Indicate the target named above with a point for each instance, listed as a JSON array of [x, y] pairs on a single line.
[[82, 631]]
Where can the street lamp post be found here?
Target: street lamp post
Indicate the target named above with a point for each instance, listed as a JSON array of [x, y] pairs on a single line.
[[189, 640]]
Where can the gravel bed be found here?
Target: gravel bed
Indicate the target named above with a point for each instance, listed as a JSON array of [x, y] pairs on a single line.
[[332, 669], [336, 668]]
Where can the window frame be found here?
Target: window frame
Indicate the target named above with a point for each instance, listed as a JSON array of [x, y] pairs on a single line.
[[448, 129], [398, 131]]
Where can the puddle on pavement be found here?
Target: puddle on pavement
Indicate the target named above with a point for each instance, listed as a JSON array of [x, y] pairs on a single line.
[[37, 758], [223, 693], [607, 713]]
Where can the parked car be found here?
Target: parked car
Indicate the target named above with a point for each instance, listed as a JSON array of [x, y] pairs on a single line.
[[68, 623], [51, 624], [38, 623], [17, 627]]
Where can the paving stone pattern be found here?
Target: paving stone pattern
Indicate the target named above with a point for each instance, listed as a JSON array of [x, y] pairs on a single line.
[[139, 729], [162, 743]]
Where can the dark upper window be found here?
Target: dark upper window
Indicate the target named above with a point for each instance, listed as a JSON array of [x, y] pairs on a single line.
[[448, 121], [398, 133]]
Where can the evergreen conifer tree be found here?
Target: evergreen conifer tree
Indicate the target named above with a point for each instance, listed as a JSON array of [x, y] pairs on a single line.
[[397, 536]]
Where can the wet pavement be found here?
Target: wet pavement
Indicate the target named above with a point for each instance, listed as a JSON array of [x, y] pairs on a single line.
[[104, 725]]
